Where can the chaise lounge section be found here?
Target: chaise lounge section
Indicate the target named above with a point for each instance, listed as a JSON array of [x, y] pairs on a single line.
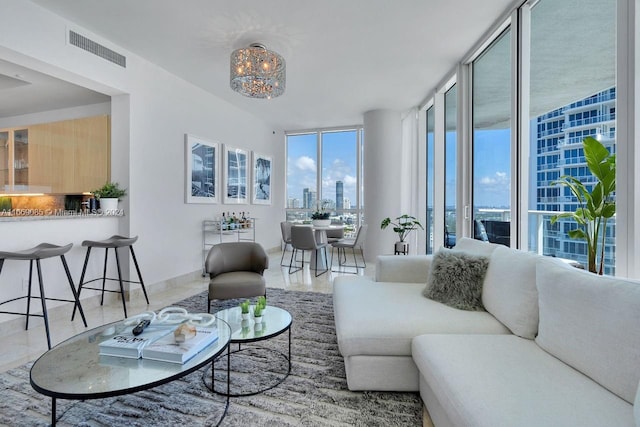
[[556, 346]]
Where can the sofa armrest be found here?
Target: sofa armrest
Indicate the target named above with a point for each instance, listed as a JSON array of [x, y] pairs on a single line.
[[404, 269]]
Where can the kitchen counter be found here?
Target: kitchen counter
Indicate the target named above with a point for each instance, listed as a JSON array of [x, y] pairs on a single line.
[[49, 214]]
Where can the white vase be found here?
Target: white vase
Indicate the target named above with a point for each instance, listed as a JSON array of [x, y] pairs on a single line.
[[258, 319], [108, 205], [321, 222], [245, 316]]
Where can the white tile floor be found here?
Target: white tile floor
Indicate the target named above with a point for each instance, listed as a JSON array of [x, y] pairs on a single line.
[[22, 346]]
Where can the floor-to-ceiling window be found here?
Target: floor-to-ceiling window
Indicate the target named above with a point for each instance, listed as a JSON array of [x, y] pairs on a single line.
[[572, 95], [451, 141], [430, 177], [324, 170], [492, 101]]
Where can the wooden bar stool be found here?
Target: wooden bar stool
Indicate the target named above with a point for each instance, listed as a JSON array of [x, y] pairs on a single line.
[[42, 251], [114, 242]]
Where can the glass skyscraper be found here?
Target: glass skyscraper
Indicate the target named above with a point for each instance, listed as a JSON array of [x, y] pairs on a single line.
[[339, 196]]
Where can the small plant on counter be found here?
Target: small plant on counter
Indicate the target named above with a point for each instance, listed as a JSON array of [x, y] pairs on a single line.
[[262, 302], [110, 190], [244, 306]]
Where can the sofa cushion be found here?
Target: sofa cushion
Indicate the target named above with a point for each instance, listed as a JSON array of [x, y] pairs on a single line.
[[509, 291], [456, 279], [381, 318], [476, 247], [592, 323], [505, 380]]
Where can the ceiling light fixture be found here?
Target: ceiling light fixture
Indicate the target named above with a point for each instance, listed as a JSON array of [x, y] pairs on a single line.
[[257, 72]]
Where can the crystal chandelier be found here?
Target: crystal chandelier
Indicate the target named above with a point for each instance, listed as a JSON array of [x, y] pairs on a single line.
[[257, 72]]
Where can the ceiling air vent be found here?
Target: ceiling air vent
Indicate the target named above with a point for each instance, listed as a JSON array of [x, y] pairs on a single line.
[[97, 49]]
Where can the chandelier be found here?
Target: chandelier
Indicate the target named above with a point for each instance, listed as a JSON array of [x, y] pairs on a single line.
[[257, 72]]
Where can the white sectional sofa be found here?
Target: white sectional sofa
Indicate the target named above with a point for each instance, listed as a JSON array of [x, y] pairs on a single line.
[[557, 346]]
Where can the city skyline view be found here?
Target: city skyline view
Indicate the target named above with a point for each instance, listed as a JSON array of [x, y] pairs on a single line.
[[339, 158]]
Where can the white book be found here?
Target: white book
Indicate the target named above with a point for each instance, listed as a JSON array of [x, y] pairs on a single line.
[[168, 350], [125, 344]]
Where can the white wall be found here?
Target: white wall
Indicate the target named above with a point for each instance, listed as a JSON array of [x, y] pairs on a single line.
[[151, 111]]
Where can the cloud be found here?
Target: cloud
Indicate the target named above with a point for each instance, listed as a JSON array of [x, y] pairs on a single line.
[[500, 178], [306, 163], [349, 180]]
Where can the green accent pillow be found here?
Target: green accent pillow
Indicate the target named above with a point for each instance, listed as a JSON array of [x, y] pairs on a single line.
[[456, 279]]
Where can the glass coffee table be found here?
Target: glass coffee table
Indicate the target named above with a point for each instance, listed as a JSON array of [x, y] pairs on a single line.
[[75, 370], [276, 321]]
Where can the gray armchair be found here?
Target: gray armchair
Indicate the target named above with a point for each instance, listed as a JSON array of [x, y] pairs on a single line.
[[236, 271]]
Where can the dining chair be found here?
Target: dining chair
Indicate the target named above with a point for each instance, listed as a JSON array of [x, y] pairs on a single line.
[[303, 239], [334, 234], [352, 244], [285, 229]]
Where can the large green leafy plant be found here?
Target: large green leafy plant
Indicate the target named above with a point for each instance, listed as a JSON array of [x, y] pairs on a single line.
[[595, 206], [404, 225]]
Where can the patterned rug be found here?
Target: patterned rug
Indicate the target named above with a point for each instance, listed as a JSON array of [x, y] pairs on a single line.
[[314, 394]]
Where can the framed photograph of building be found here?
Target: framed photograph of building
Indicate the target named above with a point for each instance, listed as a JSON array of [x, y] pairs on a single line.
[[236, 162], [261, 179], [201, 170]]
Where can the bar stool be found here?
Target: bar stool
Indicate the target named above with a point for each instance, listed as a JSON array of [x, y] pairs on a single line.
[[42, 251], [114, 242]]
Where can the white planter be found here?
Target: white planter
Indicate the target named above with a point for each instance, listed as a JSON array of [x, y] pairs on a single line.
[[108, 205], [402, 247], [245, 316], [321, 222], [258, 319]]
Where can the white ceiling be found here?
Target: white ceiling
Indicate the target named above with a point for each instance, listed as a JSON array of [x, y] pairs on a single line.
[[24, 91], [344, 57]]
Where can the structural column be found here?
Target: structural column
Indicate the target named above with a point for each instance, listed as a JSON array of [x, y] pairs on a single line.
[[382, 178]]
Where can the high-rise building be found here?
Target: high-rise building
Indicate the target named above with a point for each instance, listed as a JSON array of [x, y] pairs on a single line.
[[558, 144], [346, 203], [339, 196], [308, 199]]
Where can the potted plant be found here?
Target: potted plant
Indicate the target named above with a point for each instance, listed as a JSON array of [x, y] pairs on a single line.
[[595, 206], [109, 194], [404, 225], [244, 309], [320, 217], [257, 313], [262, 302]]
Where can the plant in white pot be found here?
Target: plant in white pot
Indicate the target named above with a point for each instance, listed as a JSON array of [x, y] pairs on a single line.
[[404, 225], [320, 218], [108, 195]]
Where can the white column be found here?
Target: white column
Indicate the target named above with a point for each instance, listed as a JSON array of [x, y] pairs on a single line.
[[382, 178]]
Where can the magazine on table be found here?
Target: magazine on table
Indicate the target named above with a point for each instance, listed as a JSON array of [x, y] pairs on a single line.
[[125, 344], [168, 350]]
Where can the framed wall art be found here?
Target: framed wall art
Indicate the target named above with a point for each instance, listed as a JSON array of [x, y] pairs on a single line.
[[236, 162], [261, 179], [201, 170]]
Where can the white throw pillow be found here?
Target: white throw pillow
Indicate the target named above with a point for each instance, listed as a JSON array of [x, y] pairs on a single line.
[[509, 291], [475, 247], [591, 323]]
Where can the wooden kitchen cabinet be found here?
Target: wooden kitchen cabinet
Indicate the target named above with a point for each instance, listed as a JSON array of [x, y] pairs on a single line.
[[70, 156]]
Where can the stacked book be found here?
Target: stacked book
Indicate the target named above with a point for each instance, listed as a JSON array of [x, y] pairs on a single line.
[[158, 343]]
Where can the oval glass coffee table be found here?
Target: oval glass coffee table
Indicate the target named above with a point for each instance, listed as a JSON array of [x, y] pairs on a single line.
[[75, 370], [276, 321]]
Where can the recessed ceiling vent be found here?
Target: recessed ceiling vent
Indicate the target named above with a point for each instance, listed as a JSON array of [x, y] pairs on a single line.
[[97, 49]]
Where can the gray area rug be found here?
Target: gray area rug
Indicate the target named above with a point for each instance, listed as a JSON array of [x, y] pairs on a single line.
[[314, 394]]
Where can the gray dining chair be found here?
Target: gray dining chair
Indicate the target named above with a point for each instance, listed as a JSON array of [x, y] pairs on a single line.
[[285, 229], [353, 244], [334, 234], [303, 239]]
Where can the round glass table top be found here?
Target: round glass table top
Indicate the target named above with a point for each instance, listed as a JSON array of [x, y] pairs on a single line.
[[74, 369], [275, 321]]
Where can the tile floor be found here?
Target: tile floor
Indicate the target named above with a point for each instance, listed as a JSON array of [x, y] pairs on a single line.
[[23, 346]]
